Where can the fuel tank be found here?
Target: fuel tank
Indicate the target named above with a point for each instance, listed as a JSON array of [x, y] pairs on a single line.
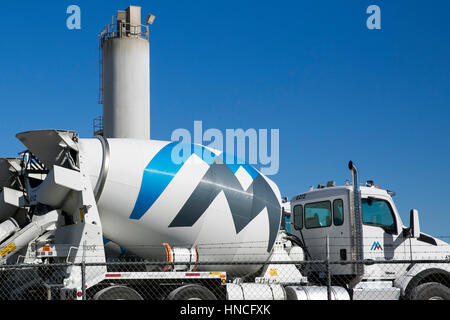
[[150, 193]]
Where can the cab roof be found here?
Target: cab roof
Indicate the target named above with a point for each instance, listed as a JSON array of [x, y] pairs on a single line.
[[337, 191]]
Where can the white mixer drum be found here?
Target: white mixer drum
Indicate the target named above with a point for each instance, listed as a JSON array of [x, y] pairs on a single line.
[[147, 197]]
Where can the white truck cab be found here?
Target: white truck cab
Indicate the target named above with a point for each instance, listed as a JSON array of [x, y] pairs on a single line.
[[378, 233]]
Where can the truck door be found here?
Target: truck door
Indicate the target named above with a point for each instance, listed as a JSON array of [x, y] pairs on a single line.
[[383, 237], [315, 220]]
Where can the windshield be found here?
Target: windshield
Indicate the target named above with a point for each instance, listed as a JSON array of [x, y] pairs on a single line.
[[377, 212]]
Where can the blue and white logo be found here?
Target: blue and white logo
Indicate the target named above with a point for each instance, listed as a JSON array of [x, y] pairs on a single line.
[[376, 246], [247, 192]]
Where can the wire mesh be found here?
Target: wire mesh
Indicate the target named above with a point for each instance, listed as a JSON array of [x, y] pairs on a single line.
[[246, 278]]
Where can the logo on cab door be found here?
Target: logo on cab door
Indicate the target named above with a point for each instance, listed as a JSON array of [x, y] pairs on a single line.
[[376, 246]]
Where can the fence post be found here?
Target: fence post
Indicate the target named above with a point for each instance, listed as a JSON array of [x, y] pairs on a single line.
[[49, 291], [328, 268], [83, 274]]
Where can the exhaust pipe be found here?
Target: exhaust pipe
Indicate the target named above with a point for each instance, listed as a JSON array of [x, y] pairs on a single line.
[[356, 222], [354, 171]]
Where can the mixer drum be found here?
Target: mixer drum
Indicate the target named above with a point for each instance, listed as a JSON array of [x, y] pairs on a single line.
[[155, 192]]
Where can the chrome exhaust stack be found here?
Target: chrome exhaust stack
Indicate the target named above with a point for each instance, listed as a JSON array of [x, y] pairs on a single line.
[[356, 222]]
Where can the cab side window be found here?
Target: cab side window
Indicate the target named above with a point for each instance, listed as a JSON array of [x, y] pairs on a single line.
[[377, 212], [298, 217], [318, 215], [338, 212]]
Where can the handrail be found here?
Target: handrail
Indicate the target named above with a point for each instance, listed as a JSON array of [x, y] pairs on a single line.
[[124, 29]]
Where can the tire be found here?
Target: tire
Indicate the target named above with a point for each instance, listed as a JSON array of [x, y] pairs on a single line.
[[117, 293], [191, 292], [431, 291]]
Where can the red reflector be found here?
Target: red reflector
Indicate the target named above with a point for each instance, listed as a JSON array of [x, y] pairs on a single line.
[[79, 294], [192, 274], [113, 275]]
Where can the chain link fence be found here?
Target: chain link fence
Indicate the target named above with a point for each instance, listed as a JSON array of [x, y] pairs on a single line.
[[242, 280]]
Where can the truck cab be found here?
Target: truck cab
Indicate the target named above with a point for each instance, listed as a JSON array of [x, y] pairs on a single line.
[[326, 219]]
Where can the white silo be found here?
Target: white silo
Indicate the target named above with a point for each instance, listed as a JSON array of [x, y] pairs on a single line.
[[126, 76]]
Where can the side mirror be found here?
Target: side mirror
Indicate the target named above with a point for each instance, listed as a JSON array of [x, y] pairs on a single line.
[[414, 225]]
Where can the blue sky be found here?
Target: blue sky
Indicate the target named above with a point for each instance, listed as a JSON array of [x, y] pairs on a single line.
[[335, 90]]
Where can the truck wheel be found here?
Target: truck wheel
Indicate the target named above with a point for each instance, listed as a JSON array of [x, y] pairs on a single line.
[[117, 293], [431, 291], [191, 292]]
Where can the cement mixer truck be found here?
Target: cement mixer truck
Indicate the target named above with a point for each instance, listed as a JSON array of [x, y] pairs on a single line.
[[67, 202], [130, 192]]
